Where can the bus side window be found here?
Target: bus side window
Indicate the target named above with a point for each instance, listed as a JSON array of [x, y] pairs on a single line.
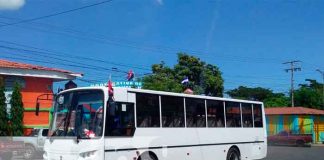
[[233, 114], [247, 115], [195, 112], [215, 113], [122, 122], [257, 111], [147, 110], [172, 111]]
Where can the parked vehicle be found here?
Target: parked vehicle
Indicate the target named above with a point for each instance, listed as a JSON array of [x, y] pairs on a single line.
[[287, 138], [34, 143], [8, 147]]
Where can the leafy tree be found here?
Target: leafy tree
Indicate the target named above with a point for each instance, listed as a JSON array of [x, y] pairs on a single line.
[[3, 113], [257, 93], [269, 98], [277, 100], [17, 112], [309, 95], [203, 78]]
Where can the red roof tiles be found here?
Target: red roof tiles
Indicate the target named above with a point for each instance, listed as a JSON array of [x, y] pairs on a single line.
[[293, 110], [17, 65]]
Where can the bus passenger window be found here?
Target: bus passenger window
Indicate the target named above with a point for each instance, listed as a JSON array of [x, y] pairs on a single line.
[[247, 115], [233, 114], [215, 113], [172, 111], [147, 110], [122, 122], [195, 112], [257, 111]]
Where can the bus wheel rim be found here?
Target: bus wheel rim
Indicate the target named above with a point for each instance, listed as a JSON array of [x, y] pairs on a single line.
[[233, 156]]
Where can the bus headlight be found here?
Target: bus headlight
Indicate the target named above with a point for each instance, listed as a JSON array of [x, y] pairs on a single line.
[[87, 154]]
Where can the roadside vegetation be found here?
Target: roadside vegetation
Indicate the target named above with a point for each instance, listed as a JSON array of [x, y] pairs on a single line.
[[207, 79]]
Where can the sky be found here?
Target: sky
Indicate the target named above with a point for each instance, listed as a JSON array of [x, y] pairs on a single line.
[[247, 40]]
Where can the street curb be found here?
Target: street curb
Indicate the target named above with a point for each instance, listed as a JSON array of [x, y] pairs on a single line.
[[317, 145]]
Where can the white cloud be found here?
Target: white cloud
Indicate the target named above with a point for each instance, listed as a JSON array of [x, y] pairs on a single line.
[[11, 4], [160, 2]]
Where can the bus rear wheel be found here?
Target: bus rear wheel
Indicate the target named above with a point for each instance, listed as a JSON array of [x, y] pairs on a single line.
[[233, 154], [147, 156]]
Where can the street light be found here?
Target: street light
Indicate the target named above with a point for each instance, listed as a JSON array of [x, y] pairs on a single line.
[[322, 73]]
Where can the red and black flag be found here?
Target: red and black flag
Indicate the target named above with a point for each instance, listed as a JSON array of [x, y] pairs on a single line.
[[130, 75], [110, 88]]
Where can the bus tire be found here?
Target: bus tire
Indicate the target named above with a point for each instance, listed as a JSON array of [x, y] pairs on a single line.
[[29, 152], [147, 156], [233, 154]]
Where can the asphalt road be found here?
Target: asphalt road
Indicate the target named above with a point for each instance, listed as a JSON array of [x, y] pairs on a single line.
[[276, 153], [295, 153]]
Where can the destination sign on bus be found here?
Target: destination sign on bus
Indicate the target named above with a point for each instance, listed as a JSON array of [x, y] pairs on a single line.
[[125, 84]]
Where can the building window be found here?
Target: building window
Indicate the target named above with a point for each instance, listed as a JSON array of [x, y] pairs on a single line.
[[195, 112], [172, 111], [215, 113], [233, 114], [247, 115], [11, 80], [147, 110], [50, 87], [257, 111]]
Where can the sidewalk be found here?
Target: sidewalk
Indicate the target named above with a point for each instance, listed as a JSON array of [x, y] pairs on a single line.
[[317, 145]]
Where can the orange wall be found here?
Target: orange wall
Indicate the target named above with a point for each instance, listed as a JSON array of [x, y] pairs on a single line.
[[33, 88], [31, 119]]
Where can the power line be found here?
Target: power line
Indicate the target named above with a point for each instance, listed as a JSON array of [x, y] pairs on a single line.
[[119, 42], [61, 54], [150, 48], [60, 59], [57, 13], [292, 69], [160, 49], [83, 66]]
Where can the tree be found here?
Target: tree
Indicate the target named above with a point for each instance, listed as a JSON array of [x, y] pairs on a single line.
[[203, 78], [277, 100], [258, 93], [3, 113], [265, 95], [16, 112], [309, 95]]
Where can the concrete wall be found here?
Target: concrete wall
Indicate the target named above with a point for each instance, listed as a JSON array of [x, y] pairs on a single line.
[[298, 124]]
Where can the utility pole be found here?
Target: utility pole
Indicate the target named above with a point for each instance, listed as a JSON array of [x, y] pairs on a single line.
[[292, 69], [322, 73]]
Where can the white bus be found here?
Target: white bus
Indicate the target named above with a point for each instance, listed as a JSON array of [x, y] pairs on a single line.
[[137, 124]]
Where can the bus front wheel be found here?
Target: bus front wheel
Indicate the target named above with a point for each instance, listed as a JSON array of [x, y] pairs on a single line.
[[147, 156], [233, 154]]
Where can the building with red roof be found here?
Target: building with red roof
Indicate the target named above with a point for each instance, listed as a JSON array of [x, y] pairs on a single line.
[[36, 85], [299, 120]]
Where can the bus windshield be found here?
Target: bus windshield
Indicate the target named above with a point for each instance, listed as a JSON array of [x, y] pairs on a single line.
[[78, 113]]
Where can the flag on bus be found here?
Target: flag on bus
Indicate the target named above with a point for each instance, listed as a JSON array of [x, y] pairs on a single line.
[[130, 75], [185, 80], [110, 88]]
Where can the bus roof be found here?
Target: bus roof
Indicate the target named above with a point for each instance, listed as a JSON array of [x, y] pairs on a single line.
[[164, 93]]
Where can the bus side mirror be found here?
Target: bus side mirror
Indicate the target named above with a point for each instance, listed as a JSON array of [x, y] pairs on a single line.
[[37, 109]]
